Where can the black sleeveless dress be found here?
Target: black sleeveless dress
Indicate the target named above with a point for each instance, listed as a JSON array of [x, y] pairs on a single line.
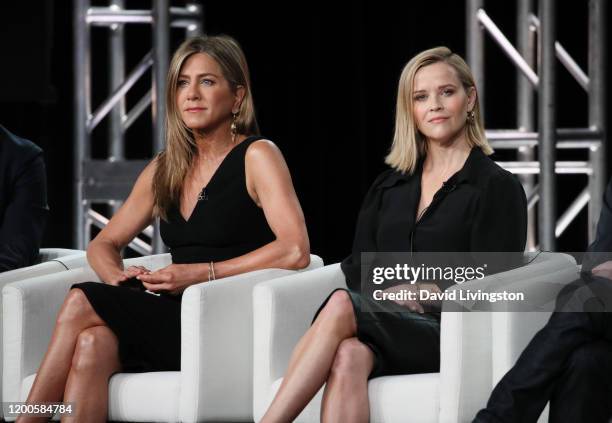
[[224, 224]]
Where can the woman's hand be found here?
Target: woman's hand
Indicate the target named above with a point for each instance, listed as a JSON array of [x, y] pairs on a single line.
[[414, 305], [411, 305], [130, 272], [173, 279], [604, 270]]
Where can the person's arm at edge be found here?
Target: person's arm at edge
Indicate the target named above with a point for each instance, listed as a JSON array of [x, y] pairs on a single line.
[[136, 213], [598, 258], [25, 217]]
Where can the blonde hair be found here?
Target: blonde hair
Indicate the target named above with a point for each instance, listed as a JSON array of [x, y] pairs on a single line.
[[175, 161], [408, 143]]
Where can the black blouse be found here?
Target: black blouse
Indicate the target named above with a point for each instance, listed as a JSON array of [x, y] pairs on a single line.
[[480, 208]]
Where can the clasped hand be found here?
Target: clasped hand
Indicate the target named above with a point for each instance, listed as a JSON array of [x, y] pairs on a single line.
[[124, 275], [413, 305], [172, 279], [604, 270]]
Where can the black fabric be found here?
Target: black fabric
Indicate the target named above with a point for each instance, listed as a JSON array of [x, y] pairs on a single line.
[[548, 368], [587, 376], [480, 208], [147, 326], [23, 201], [225, 225], [601, 249], [217, 227], [547, 364], [387, 331]]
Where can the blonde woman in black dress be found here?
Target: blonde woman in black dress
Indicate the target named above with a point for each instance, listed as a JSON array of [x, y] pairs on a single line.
[[227, 206], [442, 194]]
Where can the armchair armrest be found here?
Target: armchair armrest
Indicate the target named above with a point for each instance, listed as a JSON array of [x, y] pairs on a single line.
[[478, 348], [46, 254], [283, 310], [513, 330], [52, 260], [217, 346]]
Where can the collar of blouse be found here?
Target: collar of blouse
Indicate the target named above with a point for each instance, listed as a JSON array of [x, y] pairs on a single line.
[[470, 172]]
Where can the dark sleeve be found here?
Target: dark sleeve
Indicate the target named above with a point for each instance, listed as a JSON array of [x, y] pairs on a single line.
[[23, 223], [500, 224], [365, 234], [601, 249]]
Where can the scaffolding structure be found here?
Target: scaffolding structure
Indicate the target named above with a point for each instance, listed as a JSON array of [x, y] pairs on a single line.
[[535, 59], [109, 181]]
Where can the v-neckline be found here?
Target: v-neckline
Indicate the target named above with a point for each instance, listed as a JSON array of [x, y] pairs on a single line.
[[212, 178], [419, 216]]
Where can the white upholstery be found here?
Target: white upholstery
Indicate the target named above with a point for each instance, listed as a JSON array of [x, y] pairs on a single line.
[[51, 260], [129, 392], [472, 358], [215, 381], [46, 254], [420, 391]]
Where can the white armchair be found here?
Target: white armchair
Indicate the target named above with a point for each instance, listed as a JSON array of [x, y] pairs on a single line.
[[50, 260], [477, 348], [215, 381]]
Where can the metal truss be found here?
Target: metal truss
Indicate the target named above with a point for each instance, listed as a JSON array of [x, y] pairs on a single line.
[[535, 59], [109, 181]]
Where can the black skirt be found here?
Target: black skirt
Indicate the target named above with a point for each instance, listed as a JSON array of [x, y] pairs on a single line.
[[403, 342], [147, 326]]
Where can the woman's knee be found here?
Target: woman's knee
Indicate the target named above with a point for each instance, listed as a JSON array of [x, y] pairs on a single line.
[[339, 308], [353, 359], [76, 308], [95, 348]]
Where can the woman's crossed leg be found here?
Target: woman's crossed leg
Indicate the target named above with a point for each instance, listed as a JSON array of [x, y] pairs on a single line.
[[82, 355], [328, 352]]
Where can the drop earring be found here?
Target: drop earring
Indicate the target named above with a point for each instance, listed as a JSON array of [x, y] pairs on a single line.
[[234, 127], [471, 117]]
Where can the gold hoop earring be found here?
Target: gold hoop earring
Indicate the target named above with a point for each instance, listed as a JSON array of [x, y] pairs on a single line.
[[234, 127]]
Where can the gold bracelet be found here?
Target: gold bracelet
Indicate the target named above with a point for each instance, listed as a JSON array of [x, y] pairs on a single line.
[[212, 269]]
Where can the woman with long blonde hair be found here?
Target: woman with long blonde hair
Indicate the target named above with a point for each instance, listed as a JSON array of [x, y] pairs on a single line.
[[226, 205], [442, 194]]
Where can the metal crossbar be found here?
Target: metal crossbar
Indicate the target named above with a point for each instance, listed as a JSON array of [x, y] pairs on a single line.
[[536, 39], [108, 181]]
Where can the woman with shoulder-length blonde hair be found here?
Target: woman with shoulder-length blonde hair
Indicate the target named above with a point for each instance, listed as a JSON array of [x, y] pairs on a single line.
[[226, 205], [409, 144], [442, 194]]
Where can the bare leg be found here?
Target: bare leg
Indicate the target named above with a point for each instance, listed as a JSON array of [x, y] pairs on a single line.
[[312, 359], [96, 358], [346, 393], [75, 315]]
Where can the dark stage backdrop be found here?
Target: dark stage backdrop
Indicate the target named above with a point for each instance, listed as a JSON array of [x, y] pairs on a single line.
[[325, 79]]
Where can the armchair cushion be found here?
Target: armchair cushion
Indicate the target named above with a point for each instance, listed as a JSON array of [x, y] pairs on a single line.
[[143, 402], [417, 396]]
